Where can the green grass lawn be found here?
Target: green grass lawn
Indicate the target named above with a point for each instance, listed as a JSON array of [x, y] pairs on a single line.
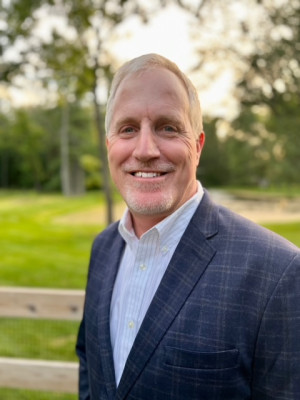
[[41, 339], [41, 245], [45, 241], [12, 394], [290, 231]]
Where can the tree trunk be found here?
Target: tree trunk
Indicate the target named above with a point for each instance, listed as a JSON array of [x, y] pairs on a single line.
[[4, 170], [76, 177], [103, 157], [64, 152]]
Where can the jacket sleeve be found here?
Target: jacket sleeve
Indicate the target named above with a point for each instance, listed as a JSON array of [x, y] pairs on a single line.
[[84, 390], [276, 373]]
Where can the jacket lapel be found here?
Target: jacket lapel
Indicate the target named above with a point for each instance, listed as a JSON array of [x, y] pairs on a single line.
[[189, 261], [111, 261]]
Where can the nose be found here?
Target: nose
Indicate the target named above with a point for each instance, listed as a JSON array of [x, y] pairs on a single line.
[[146, 145]]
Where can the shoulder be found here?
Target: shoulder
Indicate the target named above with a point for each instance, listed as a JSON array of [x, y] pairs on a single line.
[[108, 232], [229, 224], [256, 250], [233, 225], [242, 241]]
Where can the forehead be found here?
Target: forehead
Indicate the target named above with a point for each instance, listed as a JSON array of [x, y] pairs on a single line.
[[155, 86]]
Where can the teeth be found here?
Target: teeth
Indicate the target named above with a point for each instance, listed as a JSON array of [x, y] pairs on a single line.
[[147, 174]]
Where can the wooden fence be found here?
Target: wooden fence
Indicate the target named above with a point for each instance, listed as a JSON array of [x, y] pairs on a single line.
[[53, 376]]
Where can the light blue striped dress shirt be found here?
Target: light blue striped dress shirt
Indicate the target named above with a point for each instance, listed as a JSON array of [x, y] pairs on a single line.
[[142, 267]]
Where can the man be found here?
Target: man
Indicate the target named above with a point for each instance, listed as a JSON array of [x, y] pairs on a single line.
[[185, 300]]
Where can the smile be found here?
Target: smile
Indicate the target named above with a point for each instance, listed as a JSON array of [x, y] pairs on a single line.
[[141, 174]]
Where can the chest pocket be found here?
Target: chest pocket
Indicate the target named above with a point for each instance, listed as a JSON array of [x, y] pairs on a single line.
[[219, 360]]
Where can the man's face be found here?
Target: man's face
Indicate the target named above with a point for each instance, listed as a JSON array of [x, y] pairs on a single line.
[[152, 150]]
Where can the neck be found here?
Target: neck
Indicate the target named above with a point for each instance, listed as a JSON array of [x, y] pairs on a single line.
[[142, 223]]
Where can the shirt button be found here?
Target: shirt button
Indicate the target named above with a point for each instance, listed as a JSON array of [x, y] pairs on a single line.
[[164, 249], [143, 267], [131, 324]]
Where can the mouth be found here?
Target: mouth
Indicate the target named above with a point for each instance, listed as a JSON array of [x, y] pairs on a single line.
[[143, 174]]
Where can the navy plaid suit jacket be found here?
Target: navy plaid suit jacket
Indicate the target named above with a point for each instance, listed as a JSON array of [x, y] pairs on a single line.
[[224, 323]]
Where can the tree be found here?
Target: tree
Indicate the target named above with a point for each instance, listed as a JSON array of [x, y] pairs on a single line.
[[258, 42], [73, 59], [5, 151], [269, 91], [30, 147], [213, 165]]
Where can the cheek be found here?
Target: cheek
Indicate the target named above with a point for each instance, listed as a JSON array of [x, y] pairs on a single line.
[[189, 151], [117, 153], [179, 152]]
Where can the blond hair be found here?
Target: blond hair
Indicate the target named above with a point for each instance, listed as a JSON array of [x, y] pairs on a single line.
[[149, 61]]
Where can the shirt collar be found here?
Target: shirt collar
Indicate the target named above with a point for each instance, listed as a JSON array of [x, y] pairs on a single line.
[[175, 223]]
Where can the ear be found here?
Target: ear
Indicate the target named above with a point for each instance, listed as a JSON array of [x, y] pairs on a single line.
[[199, 145]]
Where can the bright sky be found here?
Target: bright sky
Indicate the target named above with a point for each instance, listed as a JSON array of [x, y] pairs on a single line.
[[169, 34]]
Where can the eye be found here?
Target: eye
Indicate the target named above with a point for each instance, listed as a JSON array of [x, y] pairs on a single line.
[[169, 128], [127, 130]]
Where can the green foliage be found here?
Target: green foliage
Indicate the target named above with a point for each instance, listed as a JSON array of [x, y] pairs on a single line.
[[76, 67], [91, 165], [29, 137], [285, 124], [30, 155], [265, 149], [213, 168], [6, 151], [272, 83]]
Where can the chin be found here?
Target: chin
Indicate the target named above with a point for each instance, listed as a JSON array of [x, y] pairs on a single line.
[[148, 206]]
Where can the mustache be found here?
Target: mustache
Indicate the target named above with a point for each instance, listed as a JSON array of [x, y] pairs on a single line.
[[149, 166]]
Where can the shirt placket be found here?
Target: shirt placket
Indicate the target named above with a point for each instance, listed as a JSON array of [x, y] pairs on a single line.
[[138, 282]]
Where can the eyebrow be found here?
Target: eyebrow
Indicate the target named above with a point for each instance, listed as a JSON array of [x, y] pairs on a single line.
[[126, 121], [170, 120], [160, 119]]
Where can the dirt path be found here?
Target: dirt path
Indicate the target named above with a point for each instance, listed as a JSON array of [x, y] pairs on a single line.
[[262, 211], [273, 211]]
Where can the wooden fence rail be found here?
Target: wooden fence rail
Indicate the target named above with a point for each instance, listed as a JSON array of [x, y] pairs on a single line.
[[53, 376], [41, 303]]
